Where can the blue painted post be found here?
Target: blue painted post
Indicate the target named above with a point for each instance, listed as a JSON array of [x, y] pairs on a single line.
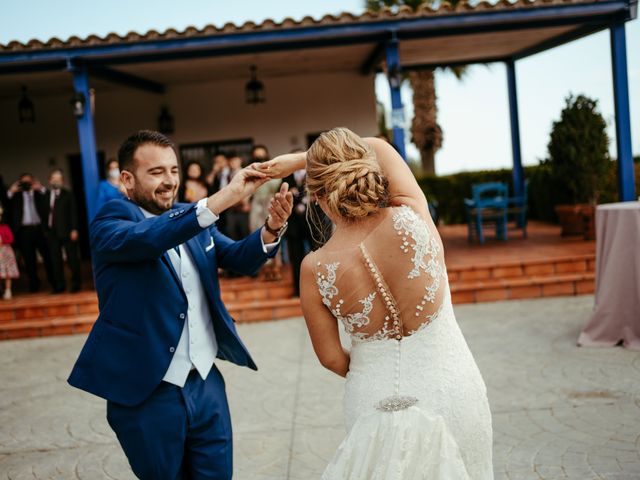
[[87, 140], [395, 82], [518, 172], [626, 175]]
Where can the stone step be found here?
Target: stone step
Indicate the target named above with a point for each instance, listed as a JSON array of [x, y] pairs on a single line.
[[491, 290], [47, 327], [242, 312], [523, 269], [263, 310], [31, 307]]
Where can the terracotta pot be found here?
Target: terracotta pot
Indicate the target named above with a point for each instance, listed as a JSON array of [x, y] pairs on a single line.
[[571, 218]]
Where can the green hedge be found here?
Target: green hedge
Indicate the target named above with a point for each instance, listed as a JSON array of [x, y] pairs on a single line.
[[449, 191]]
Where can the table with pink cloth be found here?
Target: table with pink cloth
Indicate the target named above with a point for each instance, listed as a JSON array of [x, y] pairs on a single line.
[[616, 313]]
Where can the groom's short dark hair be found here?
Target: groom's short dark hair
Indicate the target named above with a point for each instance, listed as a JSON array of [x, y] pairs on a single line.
[[142, 137]]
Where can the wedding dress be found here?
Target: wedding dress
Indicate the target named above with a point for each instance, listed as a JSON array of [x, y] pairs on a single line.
[[415, 404]]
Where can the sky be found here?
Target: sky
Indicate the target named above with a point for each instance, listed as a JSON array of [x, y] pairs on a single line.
[[473, 113]]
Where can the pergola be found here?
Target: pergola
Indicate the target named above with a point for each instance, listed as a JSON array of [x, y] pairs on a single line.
[[388, 41]]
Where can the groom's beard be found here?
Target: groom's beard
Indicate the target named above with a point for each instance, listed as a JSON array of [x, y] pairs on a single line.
[[158, 201]]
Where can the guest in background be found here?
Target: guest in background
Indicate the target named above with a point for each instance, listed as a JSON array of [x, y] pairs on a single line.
[[260, 209], [8, 264], [194, 187], [237, 221], [217, 179], [3, 193], [27, 203], [298, 234], [62, 232], [219, 175], [112, 187]]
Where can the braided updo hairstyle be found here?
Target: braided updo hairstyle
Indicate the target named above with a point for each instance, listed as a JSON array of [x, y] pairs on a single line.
[[343, 171]]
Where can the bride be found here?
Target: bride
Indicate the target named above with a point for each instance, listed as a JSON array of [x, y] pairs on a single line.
[[415, 404]]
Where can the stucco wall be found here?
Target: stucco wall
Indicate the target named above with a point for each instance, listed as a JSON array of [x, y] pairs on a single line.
[[295, 107]]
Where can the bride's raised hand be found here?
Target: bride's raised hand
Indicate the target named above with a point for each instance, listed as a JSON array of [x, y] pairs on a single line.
[[283, 165]]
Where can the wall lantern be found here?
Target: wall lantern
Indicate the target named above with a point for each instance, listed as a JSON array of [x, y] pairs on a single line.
[[254, 89], [26, 112], [77, 104], [165, 121], [395, 76]]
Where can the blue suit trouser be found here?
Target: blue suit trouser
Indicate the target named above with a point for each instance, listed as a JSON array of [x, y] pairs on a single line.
[[178, 433]]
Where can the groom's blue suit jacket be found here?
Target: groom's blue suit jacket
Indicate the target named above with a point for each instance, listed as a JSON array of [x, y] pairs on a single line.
[[142, 303]]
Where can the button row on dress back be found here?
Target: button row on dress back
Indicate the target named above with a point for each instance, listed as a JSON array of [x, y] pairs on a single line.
[[388, 299]]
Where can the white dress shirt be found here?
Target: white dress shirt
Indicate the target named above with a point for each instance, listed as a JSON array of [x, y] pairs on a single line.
[[53, 196], [197, 347], [29, 213]]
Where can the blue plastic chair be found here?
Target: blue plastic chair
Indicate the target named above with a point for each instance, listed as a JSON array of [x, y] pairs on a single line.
[[488, 205]]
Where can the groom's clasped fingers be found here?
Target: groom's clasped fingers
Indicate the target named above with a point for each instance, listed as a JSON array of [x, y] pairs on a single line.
[[254, 171]]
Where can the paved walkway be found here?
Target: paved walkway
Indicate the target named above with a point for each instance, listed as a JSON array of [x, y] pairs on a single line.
[[559, 411]]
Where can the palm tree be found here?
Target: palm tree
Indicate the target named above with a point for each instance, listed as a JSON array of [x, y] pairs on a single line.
[[426, 134]]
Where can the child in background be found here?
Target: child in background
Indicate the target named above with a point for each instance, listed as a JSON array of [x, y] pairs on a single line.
[[8, 265]]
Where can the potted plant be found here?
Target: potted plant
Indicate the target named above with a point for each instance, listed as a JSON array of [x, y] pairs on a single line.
[[579, 161]]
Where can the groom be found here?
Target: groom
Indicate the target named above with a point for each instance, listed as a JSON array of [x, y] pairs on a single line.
[[162, 322]]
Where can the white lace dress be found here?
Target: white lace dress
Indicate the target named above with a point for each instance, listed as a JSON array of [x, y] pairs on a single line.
[[415, 404]]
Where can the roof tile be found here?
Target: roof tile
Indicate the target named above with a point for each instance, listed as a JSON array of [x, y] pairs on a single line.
[[444, 8]]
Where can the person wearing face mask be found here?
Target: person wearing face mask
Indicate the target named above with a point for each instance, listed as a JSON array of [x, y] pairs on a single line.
[[111, 188], [61, 227]]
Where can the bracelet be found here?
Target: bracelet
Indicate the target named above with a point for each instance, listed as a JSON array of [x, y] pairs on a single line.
[[275, 233]]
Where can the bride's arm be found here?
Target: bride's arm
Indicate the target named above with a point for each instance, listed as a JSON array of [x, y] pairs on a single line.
[[322, 326], [403, 187], [283, 165]]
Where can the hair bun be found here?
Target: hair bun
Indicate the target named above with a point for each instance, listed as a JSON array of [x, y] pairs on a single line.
[[343, 170]]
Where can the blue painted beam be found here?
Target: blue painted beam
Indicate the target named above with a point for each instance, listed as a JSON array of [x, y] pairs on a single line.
[[397, 109], [626, 174], [518, 171], [87, 140], [363, 32]]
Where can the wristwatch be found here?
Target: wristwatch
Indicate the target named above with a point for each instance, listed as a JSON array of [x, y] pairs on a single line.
[[277, 233]]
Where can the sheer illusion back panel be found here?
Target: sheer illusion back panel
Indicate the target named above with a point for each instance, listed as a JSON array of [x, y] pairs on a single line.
[[391, 284]]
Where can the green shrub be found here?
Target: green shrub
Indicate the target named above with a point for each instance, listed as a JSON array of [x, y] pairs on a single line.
[[579, 152]]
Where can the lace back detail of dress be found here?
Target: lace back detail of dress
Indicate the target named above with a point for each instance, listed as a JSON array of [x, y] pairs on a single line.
[[417, 271]]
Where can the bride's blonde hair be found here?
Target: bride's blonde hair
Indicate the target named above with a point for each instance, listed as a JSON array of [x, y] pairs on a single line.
[[343, 170]]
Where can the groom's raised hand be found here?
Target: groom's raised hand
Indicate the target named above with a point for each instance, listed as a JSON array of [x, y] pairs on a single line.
[[280, 207]]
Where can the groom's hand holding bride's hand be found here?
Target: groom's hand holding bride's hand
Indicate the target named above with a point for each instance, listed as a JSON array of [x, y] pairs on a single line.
[[282, 165], [243, 184]]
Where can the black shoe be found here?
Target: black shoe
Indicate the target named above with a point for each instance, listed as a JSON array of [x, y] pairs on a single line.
[[74, 289], [57, 291]]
